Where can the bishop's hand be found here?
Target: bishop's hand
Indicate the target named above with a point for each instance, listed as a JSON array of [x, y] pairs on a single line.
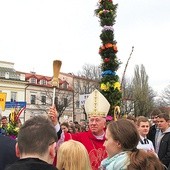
[[53, 115]]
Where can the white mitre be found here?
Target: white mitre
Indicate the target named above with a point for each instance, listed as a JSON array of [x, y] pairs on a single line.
[[96, 104]]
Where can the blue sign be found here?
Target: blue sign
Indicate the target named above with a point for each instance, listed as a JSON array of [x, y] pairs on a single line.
[[15, 104]]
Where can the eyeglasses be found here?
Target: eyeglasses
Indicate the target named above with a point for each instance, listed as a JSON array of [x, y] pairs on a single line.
[[51, 143], [55, 146]]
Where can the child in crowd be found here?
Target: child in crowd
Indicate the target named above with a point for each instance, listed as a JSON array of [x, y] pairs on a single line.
[[72, 155]]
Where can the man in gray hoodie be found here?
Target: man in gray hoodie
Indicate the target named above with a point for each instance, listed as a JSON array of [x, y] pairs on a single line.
[[162, 143]]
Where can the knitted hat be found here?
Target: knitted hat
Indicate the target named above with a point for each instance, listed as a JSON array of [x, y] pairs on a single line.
[[96, 104]]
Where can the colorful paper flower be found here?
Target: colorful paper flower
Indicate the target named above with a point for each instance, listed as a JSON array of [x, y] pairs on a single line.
[[107, 72], [117, 85], [13, 128], [115, 47], [106, 60], [104, 11], [104, 87], [105, 28], [108, 45]]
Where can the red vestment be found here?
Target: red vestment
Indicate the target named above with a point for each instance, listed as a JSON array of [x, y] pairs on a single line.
[[94, 146]]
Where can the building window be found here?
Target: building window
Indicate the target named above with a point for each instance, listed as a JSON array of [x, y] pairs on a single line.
[[77, 104], [43, 99], [33, 80], [64, 85], [61, 86], [56, 101], [65, 102], [33, 97], [43, 82], [13, 96]]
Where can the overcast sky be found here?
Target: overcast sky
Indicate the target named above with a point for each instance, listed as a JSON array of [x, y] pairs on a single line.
[[33, 33]]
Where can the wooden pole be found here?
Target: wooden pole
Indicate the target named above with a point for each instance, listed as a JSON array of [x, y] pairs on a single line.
[[55, 81]]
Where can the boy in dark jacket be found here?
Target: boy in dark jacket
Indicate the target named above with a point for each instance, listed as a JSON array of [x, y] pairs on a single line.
[[7, 151], [36, 145]]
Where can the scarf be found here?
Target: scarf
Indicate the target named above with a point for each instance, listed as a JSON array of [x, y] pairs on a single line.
[[119, 161]]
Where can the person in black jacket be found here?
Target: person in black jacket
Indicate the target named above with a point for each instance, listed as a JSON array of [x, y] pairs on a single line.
[[154, 127], [36, 145], [162, 144], [7, 151]]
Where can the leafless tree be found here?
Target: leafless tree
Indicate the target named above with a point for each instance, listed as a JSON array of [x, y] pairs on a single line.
[[86, 81], [63, 100], [166, 96], [83, 83], [143, 95], [127, 97], [91, 72]]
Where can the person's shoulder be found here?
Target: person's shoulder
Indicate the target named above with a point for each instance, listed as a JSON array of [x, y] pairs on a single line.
[[80, 133], [30, 164], [6, 139], [150, 142], [12, 167], [168, 130], [153, 127]]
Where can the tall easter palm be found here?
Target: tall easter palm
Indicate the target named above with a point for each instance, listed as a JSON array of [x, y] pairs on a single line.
[[109, 84]]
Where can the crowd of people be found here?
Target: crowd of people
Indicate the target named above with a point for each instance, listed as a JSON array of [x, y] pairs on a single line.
[[132, 143]]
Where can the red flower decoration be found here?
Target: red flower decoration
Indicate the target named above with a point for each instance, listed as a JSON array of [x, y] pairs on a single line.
[[106, 60], [115, 47]]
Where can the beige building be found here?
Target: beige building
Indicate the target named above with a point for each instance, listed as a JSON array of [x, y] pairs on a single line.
[[81, 87], [14, 85], [37, 92]]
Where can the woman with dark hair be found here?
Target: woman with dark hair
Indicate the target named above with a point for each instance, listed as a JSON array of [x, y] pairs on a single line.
[[65, 127], [71, 129], [121, 140]]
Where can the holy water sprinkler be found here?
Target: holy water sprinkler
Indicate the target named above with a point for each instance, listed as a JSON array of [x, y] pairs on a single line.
[[55, 81]]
